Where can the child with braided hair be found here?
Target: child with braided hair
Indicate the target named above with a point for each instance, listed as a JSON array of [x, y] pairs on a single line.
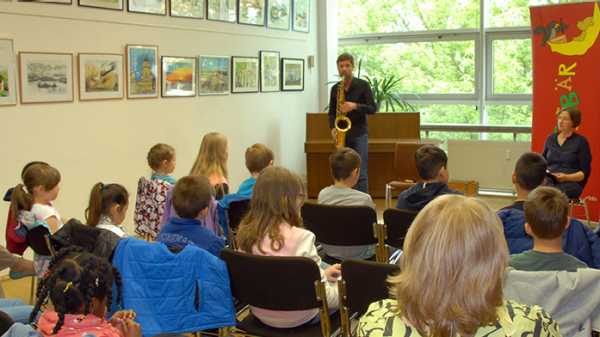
[[79, 287]]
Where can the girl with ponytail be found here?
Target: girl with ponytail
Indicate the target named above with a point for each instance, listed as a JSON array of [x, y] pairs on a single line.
[[108, 207]]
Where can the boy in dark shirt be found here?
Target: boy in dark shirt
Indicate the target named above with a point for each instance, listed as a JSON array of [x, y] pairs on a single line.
[[547, 216]]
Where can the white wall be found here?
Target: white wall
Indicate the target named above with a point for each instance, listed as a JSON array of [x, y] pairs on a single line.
[[108, 141]]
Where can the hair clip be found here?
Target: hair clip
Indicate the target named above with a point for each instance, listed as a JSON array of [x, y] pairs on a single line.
[[68, 286], [97, 282], [24, 188]]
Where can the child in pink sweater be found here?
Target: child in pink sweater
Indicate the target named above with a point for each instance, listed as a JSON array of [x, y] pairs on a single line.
[[273, 227], [79, 285]]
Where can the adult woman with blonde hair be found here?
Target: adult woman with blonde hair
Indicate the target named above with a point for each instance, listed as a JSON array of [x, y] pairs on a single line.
[[451, 279], [211, 162]]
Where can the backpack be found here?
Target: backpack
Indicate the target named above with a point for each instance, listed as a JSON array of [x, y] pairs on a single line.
[[150, 206]]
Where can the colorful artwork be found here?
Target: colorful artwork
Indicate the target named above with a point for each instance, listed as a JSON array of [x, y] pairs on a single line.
[[100, 76], [187, 8], [292, 74], [106, 4], [46, 77], [147, 6], [301, 21], [252, 12], [245, 74], [61, 2], [222, 10], [8, 92], [269, 71], [178, 76], [278, 14], [142, 71], [213, 75]]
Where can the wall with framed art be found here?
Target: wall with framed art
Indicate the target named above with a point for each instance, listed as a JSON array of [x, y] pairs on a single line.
[[96, 128]]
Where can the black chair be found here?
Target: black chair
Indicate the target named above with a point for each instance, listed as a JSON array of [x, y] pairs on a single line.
[[395, 225], [363, 282], [235, 213], [278, 283], [40, 241], [343, 226]]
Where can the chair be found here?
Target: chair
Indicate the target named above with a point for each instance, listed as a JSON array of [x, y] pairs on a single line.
[[395, 225], [357, 223], [278, 283], [363, 282], [397, 187], [235, 214], [582, 202]]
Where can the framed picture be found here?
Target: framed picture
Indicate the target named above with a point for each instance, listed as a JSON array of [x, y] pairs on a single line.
[[157, 7], [213, 75], [292, 74], [46, 77], [187, 8], [142, 71], [251, 12], [61, 2], [100, 76], [301, 16], [178, 76], [269, 71], [106, 4], [222, 10], [278, 14], [244, 76], [8, 69]]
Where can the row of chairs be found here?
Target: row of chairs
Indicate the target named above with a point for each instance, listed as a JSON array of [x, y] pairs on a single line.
[[294, 283]]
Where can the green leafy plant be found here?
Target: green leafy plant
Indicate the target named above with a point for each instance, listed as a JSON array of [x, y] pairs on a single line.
[[385, 93]]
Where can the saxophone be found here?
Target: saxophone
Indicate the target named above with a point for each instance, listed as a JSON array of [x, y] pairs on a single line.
[[342, 122]]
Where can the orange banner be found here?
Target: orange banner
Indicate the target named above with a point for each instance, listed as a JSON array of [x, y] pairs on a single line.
[[566, 73]]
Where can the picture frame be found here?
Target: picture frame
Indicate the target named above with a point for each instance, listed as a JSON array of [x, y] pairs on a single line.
[[191, 9], [279, 14], [301, 16], [58, 2], [116, 5], [269, 71], [142, 71], [8, 77], [222, 10], [292, 74], [213, 75], [251, 12], [101, 76], [154, 7], [178, 76], [45, 77], [244, 74]]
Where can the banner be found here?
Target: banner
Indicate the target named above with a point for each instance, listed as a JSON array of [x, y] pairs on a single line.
[[566, 73]]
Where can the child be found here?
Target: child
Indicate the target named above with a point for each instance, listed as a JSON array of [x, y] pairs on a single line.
[[191, 197], [161, 159], [79, 285], [432, 165], [345, 170], [211, 162], [37, 193], [547, 216], [108, 207], [273, 227]]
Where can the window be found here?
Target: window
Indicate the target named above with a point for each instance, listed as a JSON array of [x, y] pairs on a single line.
[[511, 66]]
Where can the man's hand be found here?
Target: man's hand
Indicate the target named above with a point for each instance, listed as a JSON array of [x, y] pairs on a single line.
[[348, 106]]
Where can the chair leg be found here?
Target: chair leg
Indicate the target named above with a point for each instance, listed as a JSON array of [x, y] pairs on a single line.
[[32, 291], [344, 317], [324, 311], [388, 196], [381, 253]]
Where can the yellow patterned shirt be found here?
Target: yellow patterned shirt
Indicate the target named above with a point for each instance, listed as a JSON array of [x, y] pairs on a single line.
[[515, 320]]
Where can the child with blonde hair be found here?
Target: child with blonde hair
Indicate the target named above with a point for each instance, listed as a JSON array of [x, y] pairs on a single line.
[[211, 162]]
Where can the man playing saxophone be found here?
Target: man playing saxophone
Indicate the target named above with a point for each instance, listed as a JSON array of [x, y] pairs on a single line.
[[357, 102]]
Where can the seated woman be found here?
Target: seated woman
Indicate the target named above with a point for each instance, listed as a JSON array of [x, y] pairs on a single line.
[[451, 279], [568, 155]]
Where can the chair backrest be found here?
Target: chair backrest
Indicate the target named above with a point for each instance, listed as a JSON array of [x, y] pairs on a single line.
[[38, 239], [328, 222], [273, 282], [397, 222], [236, 211], [365, 282]]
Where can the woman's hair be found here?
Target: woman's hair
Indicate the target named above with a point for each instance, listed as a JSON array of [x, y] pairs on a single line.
[[212, 156], [33, 175], [452, 268], [274, 201], [73, 279], [102, 198], [574, 115]]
